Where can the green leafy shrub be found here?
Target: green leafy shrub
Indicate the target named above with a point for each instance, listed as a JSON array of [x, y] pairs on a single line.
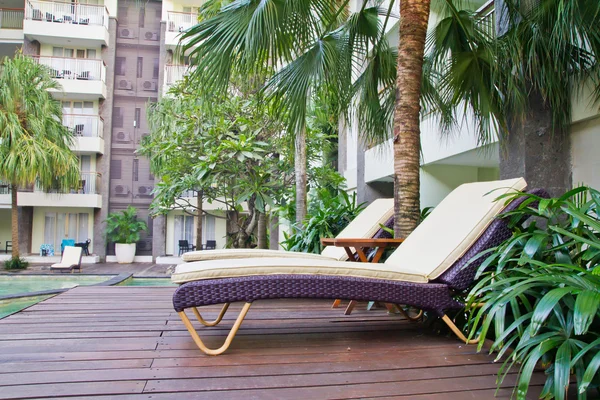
[[124, 226], [16, 263], [541, 293], [327, 216]]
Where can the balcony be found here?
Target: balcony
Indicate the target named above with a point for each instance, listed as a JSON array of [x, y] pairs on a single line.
[[178, 22], [486, 18], [4, 195], [86, 195], [81, 78], [11, 31], [52, 22], [174, 73], [88, 131]]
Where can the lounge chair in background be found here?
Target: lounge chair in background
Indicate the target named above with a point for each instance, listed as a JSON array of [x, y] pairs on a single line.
[[71, 260], [433, 264], [366, 225]]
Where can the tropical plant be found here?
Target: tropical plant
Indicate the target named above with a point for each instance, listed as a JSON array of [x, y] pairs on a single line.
[[34, 145], [328, 215], [540, 292], [16, 263], [320, 46], [124, 226]]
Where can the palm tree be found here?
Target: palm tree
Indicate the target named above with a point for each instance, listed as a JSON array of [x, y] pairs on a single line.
[[34, 145], [520, 84]]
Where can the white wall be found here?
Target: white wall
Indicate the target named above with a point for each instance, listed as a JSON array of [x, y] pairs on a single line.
[[585, 146]]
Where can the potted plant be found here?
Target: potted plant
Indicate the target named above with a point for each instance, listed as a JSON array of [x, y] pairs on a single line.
[[123, 228]]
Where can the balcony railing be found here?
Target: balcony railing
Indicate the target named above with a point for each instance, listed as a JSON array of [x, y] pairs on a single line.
[[174, 73], [84, 125], [179, 22], [66, 13], [89, 183], [11, 18], [4, 188], [485, 15], [74, 68]]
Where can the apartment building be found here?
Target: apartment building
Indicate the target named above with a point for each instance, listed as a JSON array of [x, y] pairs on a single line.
[[111, 58], [448, 161]]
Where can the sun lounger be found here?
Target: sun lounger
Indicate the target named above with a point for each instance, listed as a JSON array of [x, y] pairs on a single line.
[[425, 271], [71, 260], [366, 225]]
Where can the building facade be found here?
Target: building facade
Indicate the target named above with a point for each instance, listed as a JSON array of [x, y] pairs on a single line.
[[112, 58]]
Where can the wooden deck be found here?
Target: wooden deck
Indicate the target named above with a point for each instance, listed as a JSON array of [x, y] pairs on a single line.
[[128, 343]]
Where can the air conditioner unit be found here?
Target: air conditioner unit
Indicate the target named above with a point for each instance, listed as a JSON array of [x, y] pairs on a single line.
[[126, 33], [151, 35], [125, 84], [145, 190], [122, 137], [121, 190], [150, 86]]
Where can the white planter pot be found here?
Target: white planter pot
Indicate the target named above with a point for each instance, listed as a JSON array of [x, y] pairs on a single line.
[[125, 252]]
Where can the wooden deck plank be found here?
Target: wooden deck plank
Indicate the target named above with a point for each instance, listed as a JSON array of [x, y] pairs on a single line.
[[128, 343]]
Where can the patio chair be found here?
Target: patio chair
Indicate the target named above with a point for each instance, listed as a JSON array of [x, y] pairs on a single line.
[[71, 260], [210, 245], [184, 246], [66, 242], [433, 264], [365, 225]]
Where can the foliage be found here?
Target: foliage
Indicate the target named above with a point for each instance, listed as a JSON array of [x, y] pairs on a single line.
[[124, 226], [35, 148], [328, 215], [541, 293], [16, 263], [550, 50]]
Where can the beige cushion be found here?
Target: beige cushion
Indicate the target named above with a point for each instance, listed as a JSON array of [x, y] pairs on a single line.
[[365, 225], [230, 268], [432, 248], [71, 256], [453, 226]]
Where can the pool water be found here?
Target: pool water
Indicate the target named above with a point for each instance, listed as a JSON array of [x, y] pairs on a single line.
[[148, 282], [10, 285], [8, 307]]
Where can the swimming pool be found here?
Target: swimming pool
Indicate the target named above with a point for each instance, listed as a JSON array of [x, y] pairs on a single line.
[[11, 306], [148, 282], [16, 284]]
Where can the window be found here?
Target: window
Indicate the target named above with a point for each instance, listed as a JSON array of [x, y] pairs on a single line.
[[120, 66], [184, 230], [117, 117], [70, 53], [155, 69], [115, 169], [138, 115], [136, 169], [59, 226], [140, 66], [150, 226], [142, 16]]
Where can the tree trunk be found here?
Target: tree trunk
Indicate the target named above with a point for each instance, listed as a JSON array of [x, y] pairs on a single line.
[[274, 231], [14, 221], [407, 134], [300, 173], [199, 224], [261, 230]]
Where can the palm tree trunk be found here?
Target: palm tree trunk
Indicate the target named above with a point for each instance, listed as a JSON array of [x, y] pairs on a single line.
[[261, 230], [300, 174], [199, 223], [14, 221], [414, 17]]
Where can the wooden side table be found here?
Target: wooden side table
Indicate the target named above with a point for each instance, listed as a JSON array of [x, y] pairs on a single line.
[[359, 247]]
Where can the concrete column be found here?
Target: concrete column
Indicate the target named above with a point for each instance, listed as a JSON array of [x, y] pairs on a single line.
[[25, 229], [103, 161], [159, 236], [534, 151]]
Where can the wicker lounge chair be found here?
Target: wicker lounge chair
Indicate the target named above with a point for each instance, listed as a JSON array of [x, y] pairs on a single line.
[[71, 260], [365, 225], [425, 271]]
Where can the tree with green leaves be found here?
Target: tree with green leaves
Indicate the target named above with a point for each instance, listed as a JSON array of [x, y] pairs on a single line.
[[519, 84], [34, 145]]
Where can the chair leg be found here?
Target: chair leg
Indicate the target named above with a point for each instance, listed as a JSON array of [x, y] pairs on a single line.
[[336, 303], [406, 315], [228, 340], [457, 331], [211, 323], [350, 307]]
